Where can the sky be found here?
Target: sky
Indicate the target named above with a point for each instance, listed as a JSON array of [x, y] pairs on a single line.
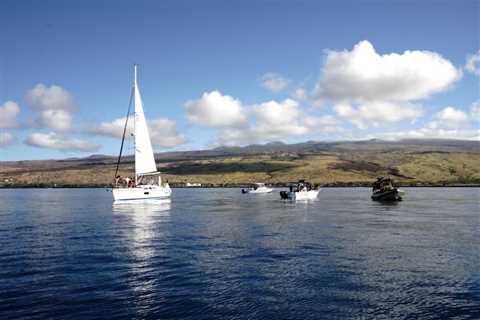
[[228, 73]]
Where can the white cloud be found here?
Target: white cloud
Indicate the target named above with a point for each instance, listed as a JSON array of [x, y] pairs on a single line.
[[60, 120], [449, 117], [8, 114], [274, 82], [473, 63], [54, 97], [56, 141], [475, 111], [364, 75], [6, 139], [377, 113], [369, 89], [53, 107], [300, 94], [112, 129], [163, 132], [216, 110], [433, 133], [448, 123], [274, 120]]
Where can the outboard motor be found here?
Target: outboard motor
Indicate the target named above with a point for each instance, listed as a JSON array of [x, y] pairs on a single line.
[[284, 195]]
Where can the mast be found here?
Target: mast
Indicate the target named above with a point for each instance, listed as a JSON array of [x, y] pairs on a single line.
[[134, 89]]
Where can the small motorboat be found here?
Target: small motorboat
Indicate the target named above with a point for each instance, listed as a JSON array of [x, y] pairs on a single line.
[[258, 188], [192, 185], [300, 191], [384, 190]]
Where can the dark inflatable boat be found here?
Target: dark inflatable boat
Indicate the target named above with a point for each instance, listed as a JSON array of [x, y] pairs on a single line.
[[383, 190]]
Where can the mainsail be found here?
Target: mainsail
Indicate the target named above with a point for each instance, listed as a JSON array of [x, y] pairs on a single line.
[[144, 160]]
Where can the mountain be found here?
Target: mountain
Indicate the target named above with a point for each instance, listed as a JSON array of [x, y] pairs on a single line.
[[410, 162]]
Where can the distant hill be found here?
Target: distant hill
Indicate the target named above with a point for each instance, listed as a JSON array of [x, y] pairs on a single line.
[[410, 162]]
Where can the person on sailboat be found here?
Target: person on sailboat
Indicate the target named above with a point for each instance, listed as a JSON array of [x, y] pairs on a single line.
[[119, 180]]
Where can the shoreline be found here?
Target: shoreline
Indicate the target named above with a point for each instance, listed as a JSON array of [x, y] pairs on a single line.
[[232, 186]]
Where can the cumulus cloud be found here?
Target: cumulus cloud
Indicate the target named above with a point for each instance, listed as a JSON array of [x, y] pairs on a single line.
[[450, 117], [60, 120], [8, 114], [448, 123], [368, 89], [216, 110], [377, 113], [475, 111], [274, 120], [300, 94], [163, 132], [274, 82], [53, 107], [364, 75], [56, 141], [113, 128], [433, 133], [54, 97], [6, 139], [473, 63]]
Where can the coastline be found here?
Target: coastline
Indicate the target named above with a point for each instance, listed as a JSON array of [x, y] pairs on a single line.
[[244, 185]]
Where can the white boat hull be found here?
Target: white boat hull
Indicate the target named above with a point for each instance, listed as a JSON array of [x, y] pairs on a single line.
[[303, 195], [144, 192], [260, 190]]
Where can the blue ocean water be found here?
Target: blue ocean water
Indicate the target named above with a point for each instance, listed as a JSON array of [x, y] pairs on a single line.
[[219, 254]]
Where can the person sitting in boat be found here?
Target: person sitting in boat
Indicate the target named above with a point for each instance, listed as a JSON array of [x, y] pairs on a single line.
[[382, 184], [118, 180], [131, 183]]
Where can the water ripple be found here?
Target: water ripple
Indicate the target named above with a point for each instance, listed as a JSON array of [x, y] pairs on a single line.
[[218, 254]]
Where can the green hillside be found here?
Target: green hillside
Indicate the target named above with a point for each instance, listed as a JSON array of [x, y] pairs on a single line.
[[422, 162]]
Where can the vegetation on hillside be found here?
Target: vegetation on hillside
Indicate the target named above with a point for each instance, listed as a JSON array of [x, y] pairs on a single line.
[[335, 164]]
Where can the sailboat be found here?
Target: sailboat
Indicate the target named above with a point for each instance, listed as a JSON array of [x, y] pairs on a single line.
[[147, 183]]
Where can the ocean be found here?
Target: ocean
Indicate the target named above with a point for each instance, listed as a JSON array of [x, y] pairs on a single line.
[[220, 254]]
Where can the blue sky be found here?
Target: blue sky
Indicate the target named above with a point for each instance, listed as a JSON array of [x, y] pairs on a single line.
[[235, 72]]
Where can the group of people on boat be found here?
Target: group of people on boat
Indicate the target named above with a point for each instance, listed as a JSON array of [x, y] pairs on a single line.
[[382, 184], [125, 182], [384, 190], [302, 185]]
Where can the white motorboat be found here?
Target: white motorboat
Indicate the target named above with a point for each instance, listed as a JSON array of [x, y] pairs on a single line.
[[194, 184], [147, 183], [258, 188], [301, 191]]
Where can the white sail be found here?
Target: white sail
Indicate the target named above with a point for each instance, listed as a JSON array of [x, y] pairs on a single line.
[[144, 160]]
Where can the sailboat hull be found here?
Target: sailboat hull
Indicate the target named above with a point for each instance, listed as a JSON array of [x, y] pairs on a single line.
[[146, 192]]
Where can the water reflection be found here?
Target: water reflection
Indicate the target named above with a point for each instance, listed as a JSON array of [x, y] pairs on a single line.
[[215, 254], [143, 217], [144, 228]]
